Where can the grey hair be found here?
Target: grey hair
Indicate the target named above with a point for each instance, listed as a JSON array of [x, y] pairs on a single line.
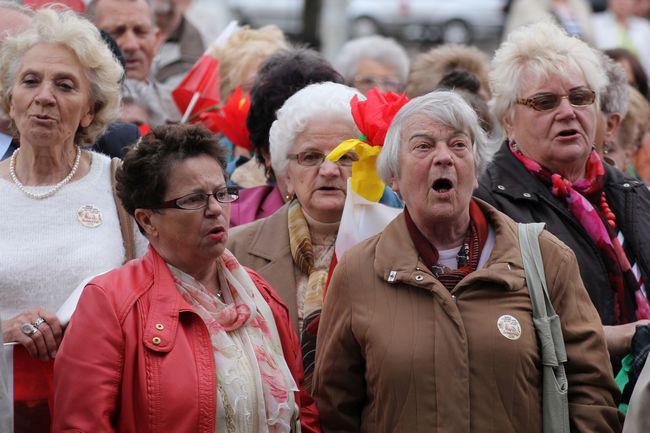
[[615, 97], [446, 107], [65, 28], [543, 50], [329, 101], [378, 48]]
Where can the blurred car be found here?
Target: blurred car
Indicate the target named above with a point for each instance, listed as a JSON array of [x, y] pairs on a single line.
[[286, 14], [448, 21], [456, 21], [596, 5]]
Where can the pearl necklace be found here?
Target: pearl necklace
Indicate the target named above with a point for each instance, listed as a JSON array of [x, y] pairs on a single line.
[[51, 191]]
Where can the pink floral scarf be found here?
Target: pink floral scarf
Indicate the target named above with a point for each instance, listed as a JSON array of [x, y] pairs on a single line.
[[577, 195], [241, 313]]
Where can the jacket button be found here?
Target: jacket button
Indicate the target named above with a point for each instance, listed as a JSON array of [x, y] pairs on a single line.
[[160, 326], [419, 278], [155, 340], [527, 195], [626, 185], [501, 187]]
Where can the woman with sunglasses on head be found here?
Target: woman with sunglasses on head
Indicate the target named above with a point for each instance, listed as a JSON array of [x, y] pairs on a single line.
[[293, 248], [546, 90], [184, 339]]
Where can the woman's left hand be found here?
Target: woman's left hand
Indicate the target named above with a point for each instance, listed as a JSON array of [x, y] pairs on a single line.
[[42, 340], [619, 337]]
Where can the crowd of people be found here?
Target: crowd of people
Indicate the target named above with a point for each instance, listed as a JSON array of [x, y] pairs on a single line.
[[175, 264]]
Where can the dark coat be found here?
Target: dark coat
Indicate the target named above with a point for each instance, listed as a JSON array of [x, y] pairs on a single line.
[[511, 188]]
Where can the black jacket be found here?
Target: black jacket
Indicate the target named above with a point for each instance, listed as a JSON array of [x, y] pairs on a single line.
[[511, 188]]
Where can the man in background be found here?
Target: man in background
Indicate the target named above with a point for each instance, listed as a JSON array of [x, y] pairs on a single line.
[[183, 42], [131, 24]]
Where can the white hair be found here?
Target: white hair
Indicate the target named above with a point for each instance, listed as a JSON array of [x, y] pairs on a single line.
[[381, 49], [65, 28], [542, 50], [443, 106], [329, 101]]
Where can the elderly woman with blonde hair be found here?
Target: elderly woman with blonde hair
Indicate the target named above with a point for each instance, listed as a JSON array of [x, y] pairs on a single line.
[[60, 223], [546, 93], [241, 56], [239, 60]]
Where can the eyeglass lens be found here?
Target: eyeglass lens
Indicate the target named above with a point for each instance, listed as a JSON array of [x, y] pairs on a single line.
[[549, 101]]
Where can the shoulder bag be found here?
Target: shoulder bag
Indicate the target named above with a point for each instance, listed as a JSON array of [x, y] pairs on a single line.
[[555, 403]]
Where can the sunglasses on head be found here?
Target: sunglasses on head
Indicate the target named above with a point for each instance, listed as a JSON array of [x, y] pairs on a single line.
[[549, 101]]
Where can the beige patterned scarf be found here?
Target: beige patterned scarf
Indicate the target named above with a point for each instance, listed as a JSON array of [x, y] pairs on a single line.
[[302, 252], [303, 256]]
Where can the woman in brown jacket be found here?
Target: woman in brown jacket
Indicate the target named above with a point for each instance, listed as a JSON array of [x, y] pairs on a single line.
[[427, 327]]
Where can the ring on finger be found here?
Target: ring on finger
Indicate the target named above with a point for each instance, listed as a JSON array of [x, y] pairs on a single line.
[[28, 329], [39, 321]]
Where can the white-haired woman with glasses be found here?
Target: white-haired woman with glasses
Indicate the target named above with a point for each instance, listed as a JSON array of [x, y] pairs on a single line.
[[293, 248], [546, 90], [184, 339]]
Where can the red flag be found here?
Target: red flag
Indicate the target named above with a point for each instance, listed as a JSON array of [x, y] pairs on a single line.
[[199, 88], [144, 129]]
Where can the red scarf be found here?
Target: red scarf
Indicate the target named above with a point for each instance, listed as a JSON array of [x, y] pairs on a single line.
[[468, 255], [600, 226]]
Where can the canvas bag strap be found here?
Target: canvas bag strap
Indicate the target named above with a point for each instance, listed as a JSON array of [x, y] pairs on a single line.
[[555, 405], [126, 222]]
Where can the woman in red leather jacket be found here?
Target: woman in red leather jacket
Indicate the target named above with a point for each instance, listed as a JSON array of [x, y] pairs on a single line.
[[184, 339]]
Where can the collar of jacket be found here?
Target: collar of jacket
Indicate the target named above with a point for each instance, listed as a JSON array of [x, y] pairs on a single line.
[[265, 243], [513, 180], [397, 261], [165, 303]]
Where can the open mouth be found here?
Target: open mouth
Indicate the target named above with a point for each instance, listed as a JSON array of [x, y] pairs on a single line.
[[568, 133], [442, 185], [216, 231], [328, 188]]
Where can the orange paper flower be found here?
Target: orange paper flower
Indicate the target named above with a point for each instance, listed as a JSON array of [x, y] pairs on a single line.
[[230, 120]]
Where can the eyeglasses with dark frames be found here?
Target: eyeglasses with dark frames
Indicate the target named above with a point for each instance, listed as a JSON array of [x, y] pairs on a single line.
[[549, 101], [199, 200], [312, 158]]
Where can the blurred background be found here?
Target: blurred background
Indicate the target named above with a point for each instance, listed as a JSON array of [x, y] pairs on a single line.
[[327, 24]]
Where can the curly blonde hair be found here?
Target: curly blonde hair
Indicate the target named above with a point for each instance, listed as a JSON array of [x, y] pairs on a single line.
[[428, 69], [245, 48], [65, 28]]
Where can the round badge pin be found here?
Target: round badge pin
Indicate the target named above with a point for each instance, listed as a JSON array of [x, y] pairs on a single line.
[[509, 327], [89, 216]]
